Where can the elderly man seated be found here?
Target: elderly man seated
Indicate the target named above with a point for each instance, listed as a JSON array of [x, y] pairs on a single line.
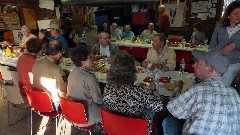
[[160, 56], [148, 33], [104, 47], [115, 31], [209, 107]]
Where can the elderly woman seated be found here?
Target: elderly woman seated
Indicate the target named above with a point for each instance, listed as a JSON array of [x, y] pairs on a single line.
[[122, 97], [127, 33]]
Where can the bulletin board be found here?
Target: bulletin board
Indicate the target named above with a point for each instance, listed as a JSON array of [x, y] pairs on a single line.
[[9, 21], [30, 18], [203, 9]]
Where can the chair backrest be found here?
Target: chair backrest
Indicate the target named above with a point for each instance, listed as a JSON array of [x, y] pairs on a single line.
[[73, 111], [6, 75], [39, 100], [138, 52], [115, 124], [13, 94], [15, 78]]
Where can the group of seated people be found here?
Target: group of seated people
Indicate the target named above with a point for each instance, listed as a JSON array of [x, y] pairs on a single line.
[[204, 105], [117, 33], [209, 107]]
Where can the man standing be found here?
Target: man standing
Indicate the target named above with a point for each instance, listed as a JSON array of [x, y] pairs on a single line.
[[91, 38], [160, 56], [163, 20], [148, 33], [209, 107]]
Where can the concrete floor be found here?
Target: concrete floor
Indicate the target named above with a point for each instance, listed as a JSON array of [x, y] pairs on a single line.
[[17, 122]]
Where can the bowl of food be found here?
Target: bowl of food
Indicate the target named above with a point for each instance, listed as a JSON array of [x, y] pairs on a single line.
[[103, 70], [169, 86], [148, 79], [164, 79]]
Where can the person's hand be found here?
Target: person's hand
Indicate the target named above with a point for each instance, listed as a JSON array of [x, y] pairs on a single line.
[[153, 88], [165, 68], [179, 84], [152, 67], [229, 48], [144, 64]]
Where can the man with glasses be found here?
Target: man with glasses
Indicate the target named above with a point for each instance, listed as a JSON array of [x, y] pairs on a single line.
[[48, 75]]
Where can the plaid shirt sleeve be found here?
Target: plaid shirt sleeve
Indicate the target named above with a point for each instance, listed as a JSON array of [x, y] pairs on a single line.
[[183, 106]]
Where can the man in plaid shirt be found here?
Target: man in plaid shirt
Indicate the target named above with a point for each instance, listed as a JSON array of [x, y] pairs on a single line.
[[210, 107]]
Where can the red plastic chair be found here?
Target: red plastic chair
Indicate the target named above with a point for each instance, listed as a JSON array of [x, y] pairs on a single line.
[[115, 124], [138, 52], [124, 48], [40, 103], [75, 112]]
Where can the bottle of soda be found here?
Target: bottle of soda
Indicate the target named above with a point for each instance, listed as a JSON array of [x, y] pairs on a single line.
[[182, 66]]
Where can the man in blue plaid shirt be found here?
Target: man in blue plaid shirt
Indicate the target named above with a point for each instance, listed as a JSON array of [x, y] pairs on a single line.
[[209, 107]]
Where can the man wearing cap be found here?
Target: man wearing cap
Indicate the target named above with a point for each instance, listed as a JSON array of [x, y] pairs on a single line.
[[148, 33], [55, 34], [115, 31], [209, 107], [91, 38]]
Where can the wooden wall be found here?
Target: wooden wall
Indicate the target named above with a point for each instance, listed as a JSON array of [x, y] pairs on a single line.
[[208, 25]]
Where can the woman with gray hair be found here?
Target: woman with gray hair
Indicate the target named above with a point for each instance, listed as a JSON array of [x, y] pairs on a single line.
[[122, 97], [127, 32], [115, 31], [26, 34]]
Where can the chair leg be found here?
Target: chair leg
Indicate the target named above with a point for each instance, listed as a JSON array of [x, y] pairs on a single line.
[[31, 123], [56, 125]]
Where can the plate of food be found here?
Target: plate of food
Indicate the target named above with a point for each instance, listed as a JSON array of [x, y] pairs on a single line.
[[148, 79], [103, 70], [169, 86]]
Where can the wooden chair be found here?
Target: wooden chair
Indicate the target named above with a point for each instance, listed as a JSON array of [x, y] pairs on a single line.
[[115, 124], [75, 112], [41, 103]]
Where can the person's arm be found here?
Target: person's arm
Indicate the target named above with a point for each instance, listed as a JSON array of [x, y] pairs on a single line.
[[94, 90], [214, 39], [171, 61], [184, 105], [151, 103]]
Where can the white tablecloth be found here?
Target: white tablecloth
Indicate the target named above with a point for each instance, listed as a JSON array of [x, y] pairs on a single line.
[[145, 45]]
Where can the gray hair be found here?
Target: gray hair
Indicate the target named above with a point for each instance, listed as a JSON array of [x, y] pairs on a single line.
[[24, 27], [128, 27]]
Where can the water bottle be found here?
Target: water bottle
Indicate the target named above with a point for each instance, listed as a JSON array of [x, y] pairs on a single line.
[[182, 66]]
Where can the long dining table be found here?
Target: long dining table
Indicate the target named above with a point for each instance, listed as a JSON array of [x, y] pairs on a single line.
[[188, 78], [128, 43]]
